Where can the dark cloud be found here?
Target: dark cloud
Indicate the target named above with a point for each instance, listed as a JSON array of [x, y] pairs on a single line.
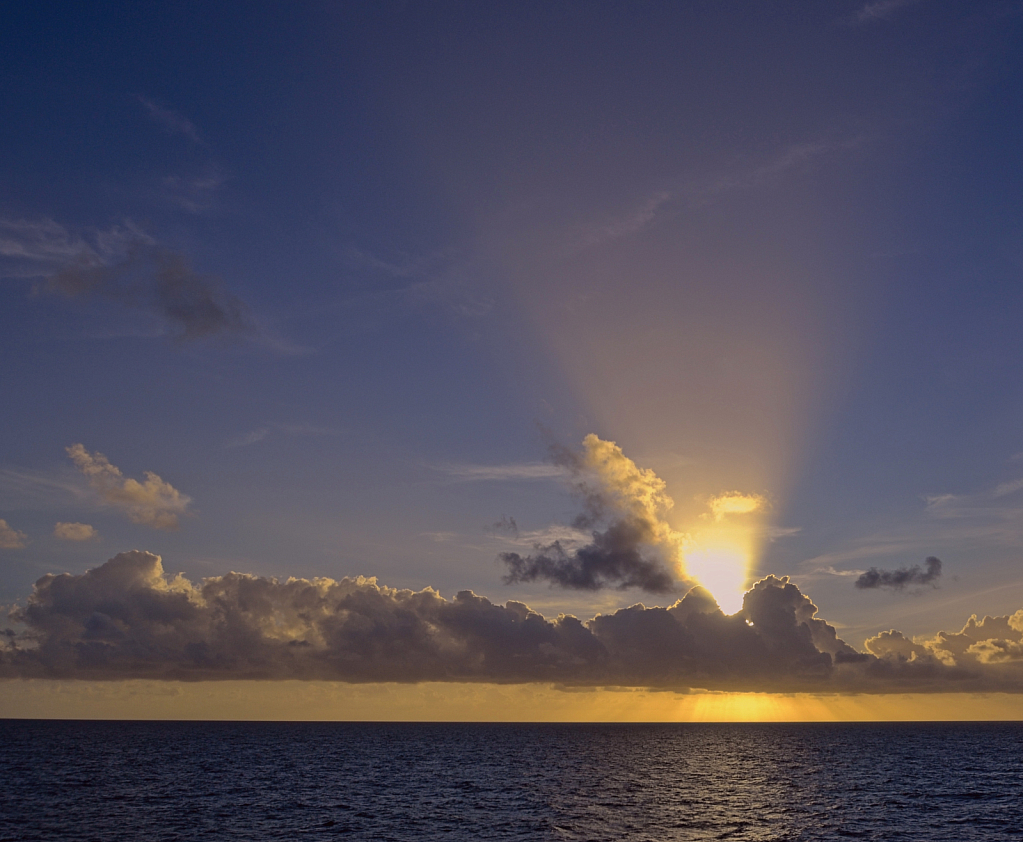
[[128, 619], [505, 526], [613, 558], [624, 506], [158, 280], [903, 577]]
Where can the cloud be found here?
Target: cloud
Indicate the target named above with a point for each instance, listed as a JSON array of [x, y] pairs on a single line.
[[261, 433], [636, 548], [37, 241], [172, 121], [627, 224], [1006, 488], [155, 279], [123, 264], [881, 10], [75, 532], [152, 503], [11, 538], [899, 579], [736, 503], [128, 619], [193, 193], [991, 641], [252, 437], [501, 473]]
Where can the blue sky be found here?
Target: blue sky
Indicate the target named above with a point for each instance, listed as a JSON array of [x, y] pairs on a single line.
[[341, 274]]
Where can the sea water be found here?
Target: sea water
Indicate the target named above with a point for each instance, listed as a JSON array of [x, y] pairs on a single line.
[[323, 781]]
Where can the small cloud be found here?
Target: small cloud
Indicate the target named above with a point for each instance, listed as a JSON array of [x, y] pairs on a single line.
[[11, 538], [260, 433], [152, 503], [735, 503], [1007, 488], [249, 438], [501, 473], [172, 121], [441, 537], [773, 533], [831, 571], [881, 10], [194, 194], [505, 526], [899, 579], [628, 224], [75, 532]]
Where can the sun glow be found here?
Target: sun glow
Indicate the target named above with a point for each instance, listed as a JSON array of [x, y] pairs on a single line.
[[722, 571], [720, 558]]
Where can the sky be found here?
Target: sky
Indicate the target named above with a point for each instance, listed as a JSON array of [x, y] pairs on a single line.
[[513, 360]]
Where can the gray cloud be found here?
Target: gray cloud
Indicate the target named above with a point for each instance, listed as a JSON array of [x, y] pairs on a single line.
[[129, 619], [632, 546], [903, 577], [123, 264], [613, 558], [153, 278]]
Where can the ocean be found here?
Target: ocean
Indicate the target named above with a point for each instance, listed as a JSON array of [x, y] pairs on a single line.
[[254, 781]]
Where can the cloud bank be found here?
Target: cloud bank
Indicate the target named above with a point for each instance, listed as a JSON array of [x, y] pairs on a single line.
[[154, 502], [905, 576], [129, 619]]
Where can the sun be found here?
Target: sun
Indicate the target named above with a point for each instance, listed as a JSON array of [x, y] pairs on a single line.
[[721, 563]]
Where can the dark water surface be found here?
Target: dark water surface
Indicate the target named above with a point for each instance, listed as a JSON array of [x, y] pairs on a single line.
[[315, 781]]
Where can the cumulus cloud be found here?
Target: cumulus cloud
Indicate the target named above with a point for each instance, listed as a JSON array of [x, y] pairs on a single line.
[[903, 577], [130, 619], [988, 642], [153, 502], [624, 505], [75, 532], [11, 538]]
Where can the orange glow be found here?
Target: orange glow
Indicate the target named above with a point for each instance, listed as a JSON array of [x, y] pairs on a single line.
[[333, 701]]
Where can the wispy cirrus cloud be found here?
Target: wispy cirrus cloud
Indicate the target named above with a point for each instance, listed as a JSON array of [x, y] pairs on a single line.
[[989, 518], [172, 120], [879, 10], [262, 433], [524, 471], [626, 224]]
